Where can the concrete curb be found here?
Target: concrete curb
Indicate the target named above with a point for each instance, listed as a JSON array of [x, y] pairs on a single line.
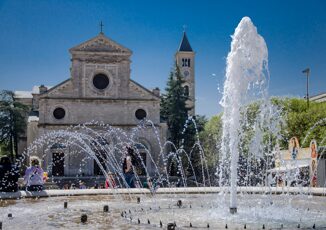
[[188, 190]]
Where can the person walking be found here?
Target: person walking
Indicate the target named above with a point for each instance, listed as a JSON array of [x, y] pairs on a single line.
[[128, 172]]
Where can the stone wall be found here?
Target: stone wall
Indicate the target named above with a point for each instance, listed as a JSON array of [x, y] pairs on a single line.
[[109, 111], [79, 159]]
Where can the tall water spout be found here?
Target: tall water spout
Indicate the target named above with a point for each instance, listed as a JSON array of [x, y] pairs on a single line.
[[246, 80]]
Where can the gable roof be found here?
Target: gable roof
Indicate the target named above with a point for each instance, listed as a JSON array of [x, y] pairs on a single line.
[[54, 90], [144, 89], [185, 45], [101, 43]]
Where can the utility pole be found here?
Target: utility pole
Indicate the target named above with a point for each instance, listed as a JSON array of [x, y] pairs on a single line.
[[307, 72]]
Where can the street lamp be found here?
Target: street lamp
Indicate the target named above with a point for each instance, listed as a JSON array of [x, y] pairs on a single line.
[[307, 72]]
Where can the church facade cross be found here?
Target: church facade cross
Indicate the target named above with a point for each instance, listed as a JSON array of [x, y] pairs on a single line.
[[101, 26]]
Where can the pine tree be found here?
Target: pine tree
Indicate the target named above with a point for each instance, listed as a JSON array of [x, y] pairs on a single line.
[[181, 133], [173, 106], [174, 112]]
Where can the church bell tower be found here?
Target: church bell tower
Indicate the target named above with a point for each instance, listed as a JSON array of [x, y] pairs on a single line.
[[185, 58]]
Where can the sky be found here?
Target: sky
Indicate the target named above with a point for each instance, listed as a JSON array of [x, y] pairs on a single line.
[[35, 37]]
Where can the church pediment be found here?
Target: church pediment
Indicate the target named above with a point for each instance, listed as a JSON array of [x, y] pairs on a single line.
[[101, 43], [138, 91], [63, 89]]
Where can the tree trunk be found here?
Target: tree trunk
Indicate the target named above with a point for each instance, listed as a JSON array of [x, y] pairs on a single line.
[[11, 144], [15, 145]]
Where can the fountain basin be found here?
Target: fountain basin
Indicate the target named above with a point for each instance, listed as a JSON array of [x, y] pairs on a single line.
[[202, 208]]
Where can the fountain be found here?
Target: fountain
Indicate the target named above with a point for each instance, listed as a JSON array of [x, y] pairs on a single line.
[[246, 79], [200, 201]]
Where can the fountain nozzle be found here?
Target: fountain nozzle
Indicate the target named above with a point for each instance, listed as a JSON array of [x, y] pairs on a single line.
[[179, 203], [171, 226], [233, 210], [83, 218]]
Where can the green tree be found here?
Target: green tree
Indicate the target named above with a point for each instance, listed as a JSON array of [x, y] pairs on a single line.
[[210, 139], [173, 106], [182, 131], [283, 119], [3, 150], [302, 122], [192, 145], [248, 121], [12, 122]]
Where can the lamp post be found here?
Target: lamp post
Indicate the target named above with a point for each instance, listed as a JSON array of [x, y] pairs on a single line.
[[307, 72]]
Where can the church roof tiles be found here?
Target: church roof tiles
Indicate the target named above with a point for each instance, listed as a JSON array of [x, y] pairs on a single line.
[[185, 45]]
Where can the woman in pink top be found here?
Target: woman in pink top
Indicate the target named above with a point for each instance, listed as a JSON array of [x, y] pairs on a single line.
[[34, 176], [110, 182]]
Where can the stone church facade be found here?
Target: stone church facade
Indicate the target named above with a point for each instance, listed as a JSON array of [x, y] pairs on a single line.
[[99, 89]]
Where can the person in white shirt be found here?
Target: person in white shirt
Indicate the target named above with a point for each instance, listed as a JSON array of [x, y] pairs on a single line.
[[34, 176]]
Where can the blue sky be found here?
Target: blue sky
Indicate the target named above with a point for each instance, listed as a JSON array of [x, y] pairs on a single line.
[[35, 37]]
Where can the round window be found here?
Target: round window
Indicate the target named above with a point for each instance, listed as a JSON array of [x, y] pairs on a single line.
[[140, 114], [100, 81], [59, 113]]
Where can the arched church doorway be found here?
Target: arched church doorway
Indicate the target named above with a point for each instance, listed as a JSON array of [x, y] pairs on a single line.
[[58, 159], [100, 153]]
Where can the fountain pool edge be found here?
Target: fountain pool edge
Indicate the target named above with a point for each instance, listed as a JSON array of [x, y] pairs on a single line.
[[188, 190]]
